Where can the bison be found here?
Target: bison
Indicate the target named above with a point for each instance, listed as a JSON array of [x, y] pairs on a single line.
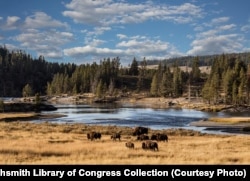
[[94, 135], [142, 137], [150, 145], [116, 136], [159, 137], [154, 146], [140, 130], [130, 145], [153, 137], [162, 137]]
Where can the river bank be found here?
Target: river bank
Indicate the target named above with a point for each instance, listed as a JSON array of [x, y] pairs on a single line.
[[24, 142], [237, 125], [50, 143]]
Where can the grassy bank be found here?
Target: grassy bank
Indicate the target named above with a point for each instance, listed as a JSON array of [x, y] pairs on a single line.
[[16, 116], [231, 120], [47, 143]]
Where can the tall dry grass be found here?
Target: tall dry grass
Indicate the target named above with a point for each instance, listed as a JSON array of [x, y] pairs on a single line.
[[47, 143]]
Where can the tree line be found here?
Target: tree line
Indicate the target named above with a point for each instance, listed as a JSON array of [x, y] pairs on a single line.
[[228, 81]]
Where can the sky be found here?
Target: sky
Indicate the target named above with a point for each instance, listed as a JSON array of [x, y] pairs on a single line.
[[87, 31]]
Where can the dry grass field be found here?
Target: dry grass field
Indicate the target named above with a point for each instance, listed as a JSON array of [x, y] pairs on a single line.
[[46, 143]]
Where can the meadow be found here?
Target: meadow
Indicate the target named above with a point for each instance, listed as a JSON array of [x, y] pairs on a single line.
[[23, 142]]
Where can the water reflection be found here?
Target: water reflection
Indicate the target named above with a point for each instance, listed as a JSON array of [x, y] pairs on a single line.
[[131, 116]]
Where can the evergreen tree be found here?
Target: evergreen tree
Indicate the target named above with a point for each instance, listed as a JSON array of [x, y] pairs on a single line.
[[242, 86], [207, 93], [166, 87], [142, 75], [228, 80], [195, 72], [134, 70], [100, 90], [154, 86], [177, 82]]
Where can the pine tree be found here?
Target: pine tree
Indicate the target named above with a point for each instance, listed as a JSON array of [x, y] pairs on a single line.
[[195, 72], [154, 86], [242, 86], [166, 87], [134, 70]]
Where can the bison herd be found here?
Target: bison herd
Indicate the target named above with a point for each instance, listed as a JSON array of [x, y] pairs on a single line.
[[141, 133]]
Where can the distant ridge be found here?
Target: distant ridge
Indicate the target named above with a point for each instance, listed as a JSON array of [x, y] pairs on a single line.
[[205, 60]]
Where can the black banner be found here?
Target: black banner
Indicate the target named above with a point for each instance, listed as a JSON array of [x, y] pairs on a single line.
[[99, 172]]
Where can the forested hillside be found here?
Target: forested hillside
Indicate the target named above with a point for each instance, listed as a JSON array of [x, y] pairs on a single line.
[[228, 81]]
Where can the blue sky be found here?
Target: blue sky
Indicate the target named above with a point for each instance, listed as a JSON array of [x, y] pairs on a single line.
[[84, 31]]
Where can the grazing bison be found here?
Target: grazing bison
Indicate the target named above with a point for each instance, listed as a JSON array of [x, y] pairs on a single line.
[[153, 137], [154, 146], [140, 130], [116, 136], [142, 137], [94, 135], [150, 145], [130, 145], [162, 137]]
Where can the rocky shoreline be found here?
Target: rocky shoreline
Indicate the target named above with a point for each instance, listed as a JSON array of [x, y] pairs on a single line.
[[153, 102], [27, 107]]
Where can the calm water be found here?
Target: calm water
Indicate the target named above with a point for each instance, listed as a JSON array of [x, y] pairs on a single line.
[[131, 116]]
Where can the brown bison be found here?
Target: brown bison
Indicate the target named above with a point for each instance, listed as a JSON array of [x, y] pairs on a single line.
[[130, 145], [116, 136], [150, 145], [142, 137], [162, 137], [159, 137], [140, 130], [153, 137], [94, 135]]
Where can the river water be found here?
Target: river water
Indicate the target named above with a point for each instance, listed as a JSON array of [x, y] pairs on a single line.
[[133, 115]]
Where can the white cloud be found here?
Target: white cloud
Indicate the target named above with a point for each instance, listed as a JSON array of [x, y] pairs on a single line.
[[12, 20], [38, 20], [121, 36], [95, 42], [220, 39], [42, 20], [11, 23], [92, 51], [39, 33], [46, 43], [219, 20], [136, 46], [144, 47], [216, 44], [227, 27], [47, 36], [215, 22], [97, 31], [245, 28], [12, 47], [107, 12]]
